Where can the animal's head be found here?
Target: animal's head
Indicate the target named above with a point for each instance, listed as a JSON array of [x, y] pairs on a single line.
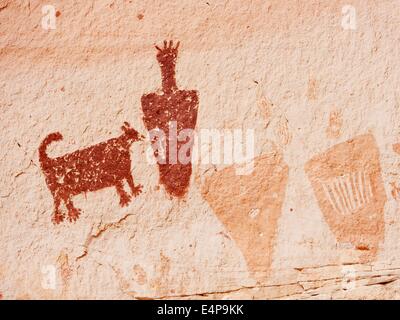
[[167, 55], [131, 133]]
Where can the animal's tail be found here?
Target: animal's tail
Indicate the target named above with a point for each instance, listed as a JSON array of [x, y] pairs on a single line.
[[43, 146]]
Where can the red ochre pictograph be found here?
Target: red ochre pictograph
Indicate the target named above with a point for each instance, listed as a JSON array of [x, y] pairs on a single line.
[[347, 183], [171, 105], [249, 206], [100, 166]]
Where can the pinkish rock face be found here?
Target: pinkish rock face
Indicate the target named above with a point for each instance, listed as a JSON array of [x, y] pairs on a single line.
[[297, 183]]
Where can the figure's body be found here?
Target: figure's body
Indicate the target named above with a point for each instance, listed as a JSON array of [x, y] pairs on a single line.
[[100, 166], [172, 105]]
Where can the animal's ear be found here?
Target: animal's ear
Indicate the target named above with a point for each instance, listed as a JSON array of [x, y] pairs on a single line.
[[126, 127]]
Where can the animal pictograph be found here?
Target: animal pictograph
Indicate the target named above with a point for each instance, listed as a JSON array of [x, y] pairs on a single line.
[[172, 105], [100, 166]]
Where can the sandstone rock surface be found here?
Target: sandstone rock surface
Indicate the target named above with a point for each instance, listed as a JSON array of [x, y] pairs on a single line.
[[317, 216]]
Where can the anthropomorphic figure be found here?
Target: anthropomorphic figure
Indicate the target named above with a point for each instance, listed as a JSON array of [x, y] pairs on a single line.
[[171, 108]]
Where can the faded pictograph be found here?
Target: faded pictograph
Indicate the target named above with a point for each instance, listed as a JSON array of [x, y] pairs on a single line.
[[282, 132], [272, 115], [347, 183], [171, 109], [265, 107], [249, 207], [395, 191], [333, 131], [65, 271], [312, 90], [107, 164]]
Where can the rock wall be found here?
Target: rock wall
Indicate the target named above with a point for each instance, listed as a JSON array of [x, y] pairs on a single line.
[[290, 189]]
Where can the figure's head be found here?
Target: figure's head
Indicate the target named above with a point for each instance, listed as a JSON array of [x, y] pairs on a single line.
[[131, 133], [167, 54]]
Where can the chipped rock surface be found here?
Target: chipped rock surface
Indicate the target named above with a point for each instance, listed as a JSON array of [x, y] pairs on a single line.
[[312, 214]]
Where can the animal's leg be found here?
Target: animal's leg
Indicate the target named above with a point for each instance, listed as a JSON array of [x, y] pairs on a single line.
[[124, 198], [58, 216], [136, 190], [73, 213]]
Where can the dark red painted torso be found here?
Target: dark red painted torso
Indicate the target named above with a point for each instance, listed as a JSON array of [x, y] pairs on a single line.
[[171, 105]]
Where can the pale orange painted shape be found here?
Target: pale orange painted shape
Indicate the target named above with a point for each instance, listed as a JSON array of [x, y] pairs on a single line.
[[348, 186], [396, 148], [249, 207], [334, 128]]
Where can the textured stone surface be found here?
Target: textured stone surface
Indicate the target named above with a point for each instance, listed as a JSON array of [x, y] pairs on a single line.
[[287, 69]]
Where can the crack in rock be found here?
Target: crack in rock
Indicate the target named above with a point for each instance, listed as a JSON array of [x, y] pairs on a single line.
[[318, 289], [102, 229]]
